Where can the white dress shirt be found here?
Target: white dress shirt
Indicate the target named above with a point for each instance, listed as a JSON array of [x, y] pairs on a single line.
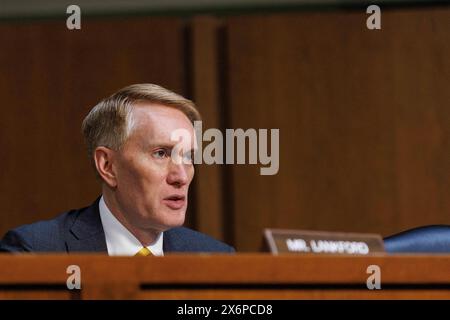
[[119, 240]]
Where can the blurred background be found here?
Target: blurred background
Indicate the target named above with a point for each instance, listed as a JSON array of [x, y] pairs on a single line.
[[364, 115]]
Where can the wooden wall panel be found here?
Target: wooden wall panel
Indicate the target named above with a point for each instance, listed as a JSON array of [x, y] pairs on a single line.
[[364, 120], [50, 78], [210, 209]]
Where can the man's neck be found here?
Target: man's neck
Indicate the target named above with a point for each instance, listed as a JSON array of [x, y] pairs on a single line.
[[145, 236]]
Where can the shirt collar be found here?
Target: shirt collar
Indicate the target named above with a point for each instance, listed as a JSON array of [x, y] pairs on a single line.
[[119, 240]]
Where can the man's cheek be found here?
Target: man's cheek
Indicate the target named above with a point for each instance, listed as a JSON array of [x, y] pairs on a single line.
[[191, 174]]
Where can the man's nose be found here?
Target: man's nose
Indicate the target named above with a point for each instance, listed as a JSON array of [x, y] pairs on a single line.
[[178, 175]]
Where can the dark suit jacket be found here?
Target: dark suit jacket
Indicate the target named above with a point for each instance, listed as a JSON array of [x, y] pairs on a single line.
[[82, 231]]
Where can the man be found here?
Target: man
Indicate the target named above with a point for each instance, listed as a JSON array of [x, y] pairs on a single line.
[[129, 138]]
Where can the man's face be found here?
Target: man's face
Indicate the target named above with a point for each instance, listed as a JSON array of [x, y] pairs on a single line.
[[152, 189]]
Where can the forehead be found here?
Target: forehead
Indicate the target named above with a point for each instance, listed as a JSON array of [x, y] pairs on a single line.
[[155, 123]]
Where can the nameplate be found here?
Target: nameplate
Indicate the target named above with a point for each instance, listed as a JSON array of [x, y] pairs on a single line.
[[322, 242]]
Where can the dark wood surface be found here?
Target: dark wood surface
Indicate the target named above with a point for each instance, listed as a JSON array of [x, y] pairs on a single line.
[[243, 276]]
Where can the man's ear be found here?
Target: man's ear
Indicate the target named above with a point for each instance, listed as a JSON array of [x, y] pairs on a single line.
[[104, 160]]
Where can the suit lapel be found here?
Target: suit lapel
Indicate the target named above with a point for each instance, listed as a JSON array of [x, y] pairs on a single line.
[[86, 233]]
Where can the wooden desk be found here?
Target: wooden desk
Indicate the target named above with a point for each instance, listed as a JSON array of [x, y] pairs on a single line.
[[242, 276]]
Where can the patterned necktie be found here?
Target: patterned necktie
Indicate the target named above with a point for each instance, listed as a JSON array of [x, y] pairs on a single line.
[[144, 252]]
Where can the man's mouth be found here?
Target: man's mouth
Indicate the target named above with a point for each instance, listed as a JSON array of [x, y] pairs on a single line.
[[175, 202]]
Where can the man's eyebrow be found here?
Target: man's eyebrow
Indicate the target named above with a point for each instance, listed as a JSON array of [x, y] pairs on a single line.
[[164, 145]]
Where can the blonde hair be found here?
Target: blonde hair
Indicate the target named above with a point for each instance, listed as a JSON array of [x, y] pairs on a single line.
[[109, 123]]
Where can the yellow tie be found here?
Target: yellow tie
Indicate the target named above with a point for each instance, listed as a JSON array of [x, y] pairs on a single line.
[[143, 253]]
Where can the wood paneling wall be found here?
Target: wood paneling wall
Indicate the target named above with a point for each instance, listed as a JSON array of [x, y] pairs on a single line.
[[50, 78], [364, 119]]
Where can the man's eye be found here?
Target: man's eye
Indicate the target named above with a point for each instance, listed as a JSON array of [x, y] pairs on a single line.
[[160, 154]]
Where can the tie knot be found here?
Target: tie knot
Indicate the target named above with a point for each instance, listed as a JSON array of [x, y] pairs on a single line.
[[143, 253]]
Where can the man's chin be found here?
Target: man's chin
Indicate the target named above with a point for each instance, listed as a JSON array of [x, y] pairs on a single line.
[[164, 221], [173, 221]]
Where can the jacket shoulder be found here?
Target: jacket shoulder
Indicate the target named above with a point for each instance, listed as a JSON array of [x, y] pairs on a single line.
[[188, 240], [43, 236]]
